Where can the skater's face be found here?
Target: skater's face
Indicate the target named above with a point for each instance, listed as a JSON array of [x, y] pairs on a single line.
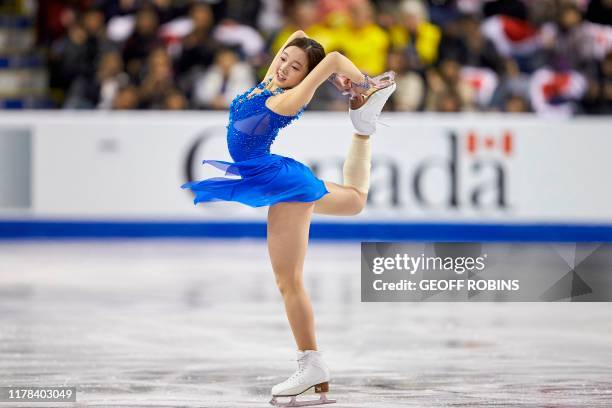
[[291, 68]]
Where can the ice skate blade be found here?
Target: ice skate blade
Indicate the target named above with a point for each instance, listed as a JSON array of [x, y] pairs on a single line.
[[294, 403]]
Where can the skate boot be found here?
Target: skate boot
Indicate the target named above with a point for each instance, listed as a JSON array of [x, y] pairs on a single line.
[[312, 375], [380, 81], [365, 109]]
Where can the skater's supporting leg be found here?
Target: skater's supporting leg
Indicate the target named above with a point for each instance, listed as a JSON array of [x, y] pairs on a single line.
[[288, 226], [350, 198]]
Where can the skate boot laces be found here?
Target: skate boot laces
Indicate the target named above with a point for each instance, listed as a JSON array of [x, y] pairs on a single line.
[[301, 368]]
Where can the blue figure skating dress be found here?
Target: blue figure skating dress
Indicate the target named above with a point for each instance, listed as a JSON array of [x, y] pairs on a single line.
[[265, 178]]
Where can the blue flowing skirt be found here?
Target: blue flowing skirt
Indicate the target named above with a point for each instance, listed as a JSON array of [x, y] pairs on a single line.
[[264, 180]]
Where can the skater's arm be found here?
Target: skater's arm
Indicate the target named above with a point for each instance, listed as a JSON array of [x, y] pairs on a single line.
[[347, 68], [334, 62], [297, 34]]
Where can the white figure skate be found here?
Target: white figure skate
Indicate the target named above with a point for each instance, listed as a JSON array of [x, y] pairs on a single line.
[[364, 110], [312, 375]]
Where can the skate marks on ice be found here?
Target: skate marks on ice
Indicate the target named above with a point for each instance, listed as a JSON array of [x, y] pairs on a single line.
[[190, 323]]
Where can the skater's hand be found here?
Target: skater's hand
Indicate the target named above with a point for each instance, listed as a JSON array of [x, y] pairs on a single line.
[[357, 100], [358, 95], [341, 82]]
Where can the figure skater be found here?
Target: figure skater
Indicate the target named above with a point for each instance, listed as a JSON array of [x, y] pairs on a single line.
[[288, 187]]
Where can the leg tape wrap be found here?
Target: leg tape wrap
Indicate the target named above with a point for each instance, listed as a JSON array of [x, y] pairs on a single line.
[[356, 168]]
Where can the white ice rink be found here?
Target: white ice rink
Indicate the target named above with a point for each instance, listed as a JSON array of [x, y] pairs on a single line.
[[199, 323]]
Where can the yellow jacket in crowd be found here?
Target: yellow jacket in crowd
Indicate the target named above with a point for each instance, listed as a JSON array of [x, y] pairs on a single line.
[[427, 41], [367, 47]]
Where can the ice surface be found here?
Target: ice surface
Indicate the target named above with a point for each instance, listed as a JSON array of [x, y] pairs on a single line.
[[199, 323]]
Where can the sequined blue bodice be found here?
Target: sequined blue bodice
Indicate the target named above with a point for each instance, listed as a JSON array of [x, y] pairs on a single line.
[[252, 125]]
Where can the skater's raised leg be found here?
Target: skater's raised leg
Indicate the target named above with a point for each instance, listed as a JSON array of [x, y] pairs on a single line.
[[350, 198]]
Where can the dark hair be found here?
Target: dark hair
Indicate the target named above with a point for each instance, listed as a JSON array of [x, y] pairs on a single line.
[[314, 51]]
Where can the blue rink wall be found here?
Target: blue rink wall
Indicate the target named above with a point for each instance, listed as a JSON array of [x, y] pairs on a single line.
[[27, 229]]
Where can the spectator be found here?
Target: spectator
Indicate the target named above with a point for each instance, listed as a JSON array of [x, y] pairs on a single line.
[[479, 51], [114, 8], [198, 47], [100, 93], [69, 57], [516, 104], [415, 40], [453, 40], [303, 15], [441, 12], [415, 44], [513, 84], [364, 42], [448, 102], [606, 85], [270, 19], [126, 98], [167, 10], [139, 45], [410, 92], [552, 56], [563, 39], [335, 13], [109, 79], [445, 86], [600, 11], [226, 78], [238, 11], [514, 38], [175, 100], [386, 14], [97, 43], [93, 22], [512, 8], [55, 17], [482, 65], [598, 98], [542, 11], [158, 79], [248, 40]]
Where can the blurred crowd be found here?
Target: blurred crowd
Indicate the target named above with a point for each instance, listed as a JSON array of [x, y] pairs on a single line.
[[546, 56]]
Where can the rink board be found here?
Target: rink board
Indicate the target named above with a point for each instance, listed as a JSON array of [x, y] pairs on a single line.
[[463, 176]]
